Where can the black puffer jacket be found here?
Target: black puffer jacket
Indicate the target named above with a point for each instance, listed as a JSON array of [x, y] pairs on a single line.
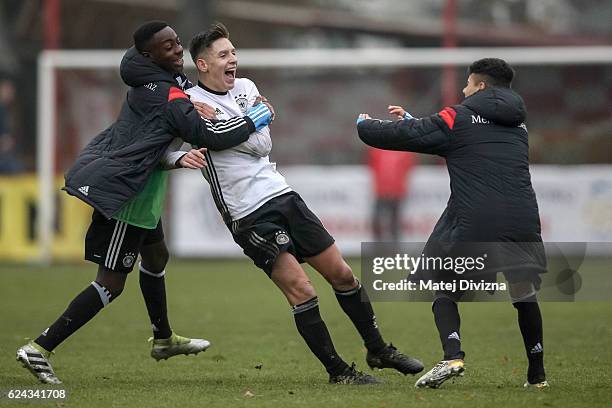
[[115, 165], [485, 143]]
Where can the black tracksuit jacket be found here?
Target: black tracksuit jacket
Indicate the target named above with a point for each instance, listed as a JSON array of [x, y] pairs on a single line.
[[485, 143], [115, 165]]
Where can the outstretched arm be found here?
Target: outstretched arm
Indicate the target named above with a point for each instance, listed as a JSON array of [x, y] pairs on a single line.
[[430, 135]]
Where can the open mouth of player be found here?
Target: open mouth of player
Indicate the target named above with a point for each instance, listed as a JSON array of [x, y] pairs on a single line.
[[230, 75]]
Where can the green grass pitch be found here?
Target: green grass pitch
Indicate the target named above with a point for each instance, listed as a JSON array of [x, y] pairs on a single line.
[[258, 359]]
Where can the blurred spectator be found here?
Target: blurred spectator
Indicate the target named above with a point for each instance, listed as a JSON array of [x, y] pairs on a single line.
[[9, 162], [389, 174]]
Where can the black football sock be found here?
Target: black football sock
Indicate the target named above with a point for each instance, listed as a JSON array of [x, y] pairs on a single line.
[[357, 306], [448, 322], [530, 323], [314, 331], [153, 288], [81, 310]]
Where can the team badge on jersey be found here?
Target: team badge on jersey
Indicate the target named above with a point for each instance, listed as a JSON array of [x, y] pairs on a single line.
[[242, 101], [128, 259], [282, 238]]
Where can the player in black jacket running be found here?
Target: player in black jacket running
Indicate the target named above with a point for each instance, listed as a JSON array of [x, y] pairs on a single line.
[[120, 175], [485, 143]]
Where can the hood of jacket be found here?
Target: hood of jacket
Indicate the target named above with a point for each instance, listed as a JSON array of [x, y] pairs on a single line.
[[137, 70], [499, 105]]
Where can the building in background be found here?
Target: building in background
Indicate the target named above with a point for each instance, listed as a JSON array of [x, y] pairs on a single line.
[[570, 105]]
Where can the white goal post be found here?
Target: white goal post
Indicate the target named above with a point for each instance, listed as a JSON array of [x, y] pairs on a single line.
[[49, 61]]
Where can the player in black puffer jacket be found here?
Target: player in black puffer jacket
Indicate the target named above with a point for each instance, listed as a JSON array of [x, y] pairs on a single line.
[[117, 173], [485, 143]]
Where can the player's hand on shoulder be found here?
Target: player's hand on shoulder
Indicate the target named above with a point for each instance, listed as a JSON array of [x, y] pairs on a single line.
[[265, 101], [205, 110], [194, 159]]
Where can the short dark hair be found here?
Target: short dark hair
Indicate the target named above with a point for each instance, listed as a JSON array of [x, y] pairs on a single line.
[[495, 71], [145, 32], [204, 39]]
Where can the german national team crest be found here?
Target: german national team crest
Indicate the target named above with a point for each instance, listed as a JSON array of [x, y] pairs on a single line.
[[128, 259], [242, 101], [282, 238]]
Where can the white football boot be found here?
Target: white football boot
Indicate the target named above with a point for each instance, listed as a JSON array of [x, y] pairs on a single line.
[[441, 372], [36, 360], [174, 345]]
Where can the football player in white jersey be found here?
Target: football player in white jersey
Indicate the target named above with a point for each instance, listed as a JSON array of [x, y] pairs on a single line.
[[272, 223]]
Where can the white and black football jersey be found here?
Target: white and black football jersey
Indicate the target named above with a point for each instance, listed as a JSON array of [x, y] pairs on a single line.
[[241, 178]]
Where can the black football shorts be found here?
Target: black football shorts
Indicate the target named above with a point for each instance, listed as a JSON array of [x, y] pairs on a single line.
[[284, 223], [115, 244]]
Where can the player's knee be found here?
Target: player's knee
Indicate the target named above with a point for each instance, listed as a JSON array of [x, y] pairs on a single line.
[[343, 278], [524, 303], [301, 290], [111, 281], [522, 292], [305, 289], [116, 292], [441, 299], [114, 288], [155, 259]]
